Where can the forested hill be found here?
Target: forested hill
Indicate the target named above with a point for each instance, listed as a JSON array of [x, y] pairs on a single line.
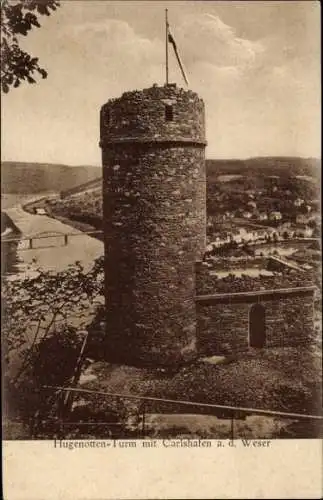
[[23, 177], [269, 165]]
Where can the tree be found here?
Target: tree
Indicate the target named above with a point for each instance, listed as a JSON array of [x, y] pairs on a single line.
[[45, 320], [316, 232], [18, 18], [312, 224], [38, 307]]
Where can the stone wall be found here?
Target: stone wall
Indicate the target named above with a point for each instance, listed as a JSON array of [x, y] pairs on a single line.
[[207, 283], [223, 320], [227, 263], [154, 219]]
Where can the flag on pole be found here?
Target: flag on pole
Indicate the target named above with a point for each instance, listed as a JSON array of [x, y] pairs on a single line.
[[172, 41]]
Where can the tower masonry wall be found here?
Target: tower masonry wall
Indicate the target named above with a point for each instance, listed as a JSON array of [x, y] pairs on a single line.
[[154, 220]]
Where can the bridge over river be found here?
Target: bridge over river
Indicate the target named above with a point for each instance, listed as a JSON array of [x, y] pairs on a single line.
[[50, 249]]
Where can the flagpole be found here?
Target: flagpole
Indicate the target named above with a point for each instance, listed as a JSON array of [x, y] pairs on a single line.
[[166, 20]]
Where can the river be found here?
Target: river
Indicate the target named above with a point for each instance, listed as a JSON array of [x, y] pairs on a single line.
[[50, 253]]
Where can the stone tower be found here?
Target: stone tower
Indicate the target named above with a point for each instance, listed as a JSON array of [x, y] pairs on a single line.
[[154, 222]]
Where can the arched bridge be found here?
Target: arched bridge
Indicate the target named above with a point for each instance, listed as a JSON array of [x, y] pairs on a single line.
[[48, 239]]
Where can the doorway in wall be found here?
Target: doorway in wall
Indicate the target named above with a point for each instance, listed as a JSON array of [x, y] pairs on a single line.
[[257, 326]]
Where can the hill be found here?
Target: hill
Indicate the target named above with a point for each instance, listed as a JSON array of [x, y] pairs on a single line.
[[23, 177], [269, 165], [33, 178], [274, 182]]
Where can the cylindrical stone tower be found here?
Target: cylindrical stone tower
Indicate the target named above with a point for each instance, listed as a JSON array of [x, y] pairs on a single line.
[[154, 222]]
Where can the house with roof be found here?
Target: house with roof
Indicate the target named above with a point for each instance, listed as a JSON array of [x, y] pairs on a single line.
[[275, 215], [298, 202]]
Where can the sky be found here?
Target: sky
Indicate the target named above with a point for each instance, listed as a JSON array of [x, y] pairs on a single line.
[[255, 64]]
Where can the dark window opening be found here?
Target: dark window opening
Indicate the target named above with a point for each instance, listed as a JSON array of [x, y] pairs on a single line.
[[257, 326], [169, 114]]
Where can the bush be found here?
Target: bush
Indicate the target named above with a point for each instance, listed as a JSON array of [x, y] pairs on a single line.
[[55, 357], [39, 332]]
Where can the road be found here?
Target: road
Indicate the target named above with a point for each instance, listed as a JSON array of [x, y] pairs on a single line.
[[50, 253]]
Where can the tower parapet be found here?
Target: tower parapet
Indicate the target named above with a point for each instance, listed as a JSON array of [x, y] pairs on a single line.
[[154, 221], [156, 114]]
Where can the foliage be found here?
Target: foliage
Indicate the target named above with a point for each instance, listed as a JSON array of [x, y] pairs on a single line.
[[56, 356], [51, 362], [45, 315], [18, 18], [38, 306]]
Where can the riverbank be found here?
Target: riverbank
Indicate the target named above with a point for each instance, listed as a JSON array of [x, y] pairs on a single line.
[[48, 206], [9, 256]]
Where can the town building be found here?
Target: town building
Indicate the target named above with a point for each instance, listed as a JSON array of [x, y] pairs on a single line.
[[275, 216]]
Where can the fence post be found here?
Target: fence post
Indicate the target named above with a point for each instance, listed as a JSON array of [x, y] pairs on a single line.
[[60, 414], [65, 239], [30, 243], [34, 424], [232, 425], [61, 428], [69, 395], [143, 420]]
